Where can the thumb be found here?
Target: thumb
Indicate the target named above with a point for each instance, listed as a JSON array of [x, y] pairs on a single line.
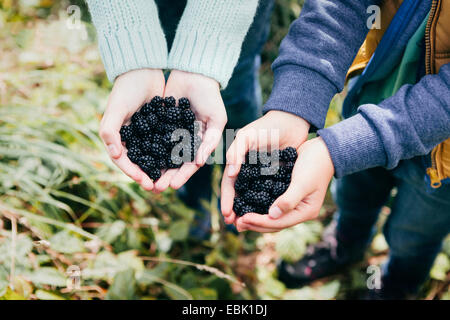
[[110, 134], [295, 193]]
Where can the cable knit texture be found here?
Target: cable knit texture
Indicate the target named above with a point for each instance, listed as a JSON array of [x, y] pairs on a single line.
[[210, 35], [129, 35]]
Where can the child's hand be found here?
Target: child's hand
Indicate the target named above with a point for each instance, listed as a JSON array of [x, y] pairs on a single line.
[[130, 91], [303, 199], [259, 135], [207, 104]]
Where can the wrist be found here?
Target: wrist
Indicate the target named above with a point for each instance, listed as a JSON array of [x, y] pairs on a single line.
[[325, 155]]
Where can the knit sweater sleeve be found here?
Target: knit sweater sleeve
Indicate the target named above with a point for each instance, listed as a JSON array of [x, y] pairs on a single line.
[[210, 35], [129, 35]]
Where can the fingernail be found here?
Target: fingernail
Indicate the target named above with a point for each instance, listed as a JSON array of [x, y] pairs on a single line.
[[231, 170], [275, 212], [112, 150]]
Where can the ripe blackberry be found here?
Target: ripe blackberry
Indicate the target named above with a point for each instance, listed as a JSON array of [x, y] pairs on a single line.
[[160, 128], [152, 120], [170, 127], [279, 188], [246, 208], [248, 172], [282, 175], [161, 113], [133, 142], [173, 164], [263, 185], [262, 199], [241, 186], [146, 109], [126, 132], [288, 154], [184, 103], [262, 209], [170, 102], [158, 151], [134, 153], [156, 102], [153, 173], [188, 117], [289, 166], [135, 117], [237, 205], [146, 146], [142, 127], [161, 163], [146, 162], [173, 115], [158, 138], [249, 196]]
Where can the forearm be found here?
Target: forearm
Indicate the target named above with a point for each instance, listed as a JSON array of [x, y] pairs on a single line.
[[315, 56], [210, 35], [129, 35], [409, 124]]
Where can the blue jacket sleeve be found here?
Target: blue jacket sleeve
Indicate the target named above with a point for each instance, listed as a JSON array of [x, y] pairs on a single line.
[[408, 124], [315, 56]]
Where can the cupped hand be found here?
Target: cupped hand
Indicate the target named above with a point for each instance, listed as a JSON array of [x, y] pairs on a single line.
[[130, 91], [275, 130], [206, 102], [303, 199]]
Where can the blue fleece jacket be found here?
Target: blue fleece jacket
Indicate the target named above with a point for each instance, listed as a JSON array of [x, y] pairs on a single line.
[[311, 69]]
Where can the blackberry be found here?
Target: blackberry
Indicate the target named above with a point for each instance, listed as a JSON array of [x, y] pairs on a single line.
[[248, 172], [133, 142], [157, 102], [263, 185], [145, 162], [161, 163], [282, 174], [262, 209], [188, 117], [152, 120], [161, 113], [241, 186], [158, 151], [173, 165], [173, 115], [184, 103], [279, 188], [170, 127], [146, 109], [126, 132], [135, 117], [288, 154], [289, 166], [237, 205], [141, 127], [262, 199], [249, 196], [246, 208], [134, 154], [160, 128], [146, 146], [170, 102], [158, 139], [153, 173]]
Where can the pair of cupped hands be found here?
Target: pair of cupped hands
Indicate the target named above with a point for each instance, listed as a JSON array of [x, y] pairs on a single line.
[[311, 175]]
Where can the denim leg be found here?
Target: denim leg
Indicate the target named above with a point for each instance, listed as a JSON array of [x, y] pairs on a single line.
[[359, 198], [416, 227]]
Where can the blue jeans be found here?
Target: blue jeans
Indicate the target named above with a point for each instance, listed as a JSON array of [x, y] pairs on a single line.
[[415, 228]]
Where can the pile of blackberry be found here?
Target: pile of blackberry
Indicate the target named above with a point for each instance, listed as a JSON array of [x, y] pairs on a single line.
[[149, 138], [257, 189]]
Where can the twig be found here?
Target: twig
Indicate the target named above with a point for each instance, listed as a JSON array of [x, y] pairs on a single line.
[[201, 267]]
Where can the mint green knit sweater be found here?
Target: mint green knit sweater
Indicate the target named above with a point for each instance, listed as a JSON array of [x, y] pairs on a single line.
[[208, 38]]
